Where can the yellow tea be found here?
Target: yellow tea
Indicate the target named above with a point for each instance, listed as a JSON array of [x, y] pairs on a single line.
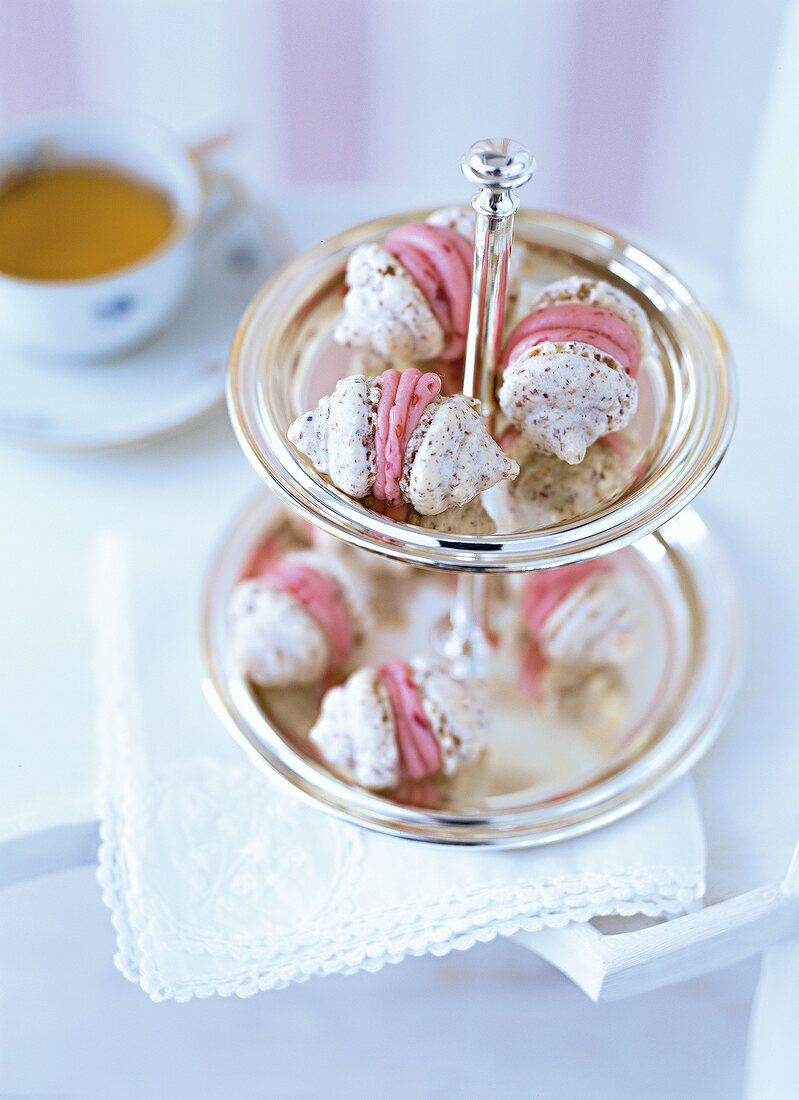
[[75, 221]]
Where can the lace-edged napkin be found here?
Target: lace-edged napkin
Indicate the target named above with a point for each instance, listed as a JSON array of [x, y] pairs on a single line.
[[219, 881]]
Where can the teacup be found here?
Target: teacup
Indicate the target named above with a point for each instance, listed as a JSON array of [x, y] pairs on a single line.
[[102, 315]]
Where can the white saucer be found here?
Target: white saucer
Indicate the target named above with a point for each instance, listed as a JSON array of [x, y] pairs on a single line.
[[167, 383]]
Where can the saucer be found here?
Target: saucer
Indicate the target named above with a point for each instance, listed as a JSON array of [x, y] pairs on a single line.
[[168, 383]]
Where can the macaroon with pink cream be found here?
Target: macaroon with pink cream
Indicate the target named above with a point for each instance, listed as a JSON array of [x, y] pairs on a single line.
[[405, 722], [408, 298], [579, 614], [397, 439], [570, 367], [298, 619]]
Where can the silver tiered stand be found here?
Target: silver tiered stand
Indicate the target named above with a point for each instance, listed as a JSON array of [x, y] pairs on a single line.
[[542, 781], [547, 775]]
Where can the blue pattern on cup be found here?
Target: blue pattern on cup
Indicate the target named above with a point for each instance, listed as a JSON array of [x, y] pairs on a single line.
[[117, 307]]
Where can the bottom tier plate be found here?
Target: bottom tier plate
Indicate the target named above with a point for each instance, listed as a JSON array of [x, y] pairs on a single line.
[[595, 748]]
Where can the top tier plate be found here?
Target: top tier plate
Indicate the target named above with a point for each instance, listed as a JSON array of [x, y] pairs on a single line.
[[283, 360]]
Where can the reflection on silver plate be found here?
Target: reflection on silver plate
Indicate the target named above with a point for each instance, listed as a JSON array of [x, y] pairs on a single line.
[[596, 748]]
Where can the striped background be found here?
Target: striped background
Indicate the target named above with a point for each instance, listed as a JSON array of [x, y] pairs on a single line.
[[647, 115]]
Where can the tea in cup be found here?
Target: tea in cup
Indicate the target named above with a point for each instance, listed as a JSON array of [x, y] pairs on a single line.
[[99, 228], [79, 221]]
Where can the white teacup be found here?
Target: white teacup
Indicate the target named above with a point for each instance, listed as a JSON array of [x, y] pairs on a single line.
[[89, 318]]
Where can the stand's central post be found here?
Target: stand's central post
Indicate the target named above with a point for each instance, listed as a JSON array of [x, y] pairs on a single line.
[[498, 168]]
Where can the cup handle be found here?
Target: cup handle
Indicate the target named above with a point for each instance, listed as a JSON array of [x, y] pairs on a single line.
[[225, 198]]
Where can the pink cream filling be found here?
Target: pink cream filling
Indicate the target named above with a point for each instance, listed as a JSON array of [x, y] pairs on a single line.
[[450, 371], [533, 666], [322, 598], [439, 260], [265, 555], [545, 591], [508, 437], [419, 752], [614, 442], [403, 399], [584, 324]]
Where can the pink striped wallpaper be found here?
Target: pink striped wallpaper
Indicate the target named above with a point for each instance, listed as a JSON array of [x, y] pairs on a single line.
[[324, 88], [616, 67], [630, 105], [39, 69]]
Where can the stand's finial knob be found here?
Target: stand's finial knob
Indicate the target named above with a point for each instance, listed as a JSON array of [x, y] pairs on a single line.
[[500, 165]]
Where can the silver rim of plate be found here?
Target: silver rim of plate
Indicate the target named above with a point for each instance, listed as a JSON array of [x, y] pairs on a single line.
[[691, 586]]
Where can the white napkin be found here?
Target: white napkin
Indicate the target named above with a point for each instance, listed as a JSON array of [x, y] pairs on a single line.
[[221, 882]]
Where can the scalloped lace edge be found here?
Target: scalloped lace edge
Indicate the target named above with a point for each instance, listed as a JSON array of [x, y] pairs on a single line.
[[478, 925]]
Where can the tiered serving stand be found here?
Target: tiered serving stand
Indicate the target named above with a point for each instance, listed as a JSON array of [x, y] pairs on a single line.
[[544, 778]]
